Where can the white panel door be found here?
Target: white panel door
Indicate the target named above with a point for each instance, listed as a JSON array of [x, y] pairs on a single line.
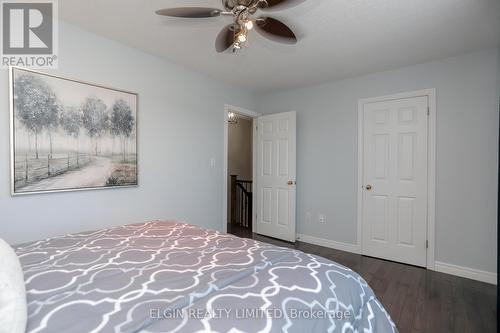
[[395, 180], [276, 175]]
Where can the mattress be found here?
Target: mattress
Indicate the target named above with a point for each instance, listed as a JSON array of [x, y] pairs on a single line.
[[167, 276]]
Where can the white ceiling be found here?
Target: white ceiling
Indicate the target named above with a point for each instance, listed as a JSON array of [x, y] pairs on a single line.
[[338, 38]]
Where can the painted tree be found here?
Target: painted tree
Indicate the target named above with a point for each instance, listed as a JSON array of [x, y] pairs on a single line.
[[71, 121], [36, 106], [51, 123], [122, 123], [94, 119]]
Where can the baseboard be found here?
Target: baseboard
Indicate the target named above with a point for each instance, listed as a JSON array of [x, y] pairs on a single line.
[[466, 272], [353, 248]]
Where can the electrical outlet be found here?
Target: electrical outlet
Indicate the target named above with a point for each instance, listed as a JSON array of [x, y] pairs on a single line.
[[212, 162], [321, 218]]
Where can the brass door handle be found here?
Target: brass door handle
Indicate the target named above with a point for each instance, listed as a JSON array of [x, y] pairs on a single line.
[[291, 182], [368, 187]]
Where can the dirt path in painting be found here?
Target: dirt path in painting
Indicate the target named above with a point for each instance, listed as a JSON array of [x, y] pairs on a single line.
[[93, 175]]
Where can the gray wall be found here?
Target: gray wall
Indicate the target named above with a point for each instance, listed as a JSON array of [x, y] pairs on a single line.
[[176, 180], [467, 149]]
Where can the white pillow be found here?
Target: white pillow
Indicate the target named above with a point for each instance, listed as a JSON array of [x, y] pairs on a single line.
[[13, 309]]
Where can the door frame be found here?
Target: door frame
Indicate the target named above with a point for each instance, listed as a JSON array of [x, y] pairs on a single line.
[[254, 115], [431, 166]]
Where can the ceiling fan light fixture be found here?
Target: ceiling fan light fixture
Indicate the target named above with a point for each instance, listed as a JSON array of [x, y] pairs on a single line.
[[242, 38], [235, 35], [249, 25]]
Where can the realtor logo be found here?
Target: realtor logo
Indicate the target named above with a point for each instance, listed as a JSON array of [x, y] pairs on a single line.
[[29, 33]]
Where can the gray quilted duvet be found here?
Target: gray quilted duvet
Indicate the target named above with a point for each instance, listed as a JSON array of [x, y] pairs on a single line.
[[166, 276]]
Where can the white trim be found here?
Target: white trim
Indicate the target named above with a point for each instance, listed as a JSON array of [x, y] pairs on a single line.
[[230, 108], [466, 272], [431, 176], [255, 138], [353, 248], [431, 171]]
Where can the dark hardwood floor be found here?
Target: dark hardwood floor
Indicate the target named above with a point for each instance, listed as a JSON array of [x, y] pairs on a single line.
[[418, 300]]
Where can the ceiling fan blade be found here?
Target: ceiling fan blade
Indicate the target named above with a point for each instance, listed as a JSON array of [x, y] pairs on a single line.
[[275, 30], [189, 12], [280, 4], [225, 38]]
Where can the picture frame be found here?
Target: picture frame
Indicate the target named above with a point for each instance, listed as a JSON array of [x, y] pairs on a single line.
[[70, 135]]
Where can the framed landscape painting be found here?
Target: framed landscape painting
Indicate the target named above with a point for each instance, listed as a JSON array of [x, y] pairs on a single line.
[[69, 135]]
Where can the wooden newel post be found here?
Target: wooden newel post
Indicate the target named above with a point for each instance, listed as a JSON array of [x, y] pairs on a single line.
[[249, 211], [233, 198]]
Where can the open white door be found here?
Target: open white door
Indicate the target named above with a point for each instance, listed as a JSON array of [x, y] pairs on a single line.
[[276, 176]]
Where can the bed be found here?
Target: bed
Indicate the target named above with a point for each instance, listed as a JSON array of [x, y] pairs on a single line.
[[167, 276]]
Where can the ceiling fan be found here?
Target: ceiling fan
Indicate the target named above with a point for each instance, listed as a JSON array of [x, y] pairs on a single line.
[[235, 35]]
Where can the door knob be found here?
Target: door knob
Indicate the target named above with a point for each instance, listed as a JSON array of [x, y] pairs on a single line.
[[368, 187], [291, 182]]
